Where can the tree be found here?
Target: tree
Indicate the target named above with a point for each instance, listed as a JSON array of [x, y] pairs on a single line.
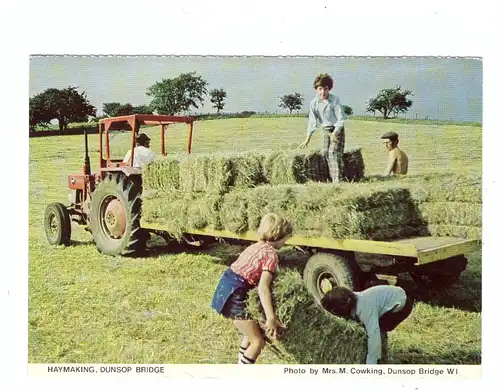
[[347, 110], [390, 101], [291, 102], [117, 109], [38, 114], [143, 109], [217, 97], [110, 109], [66, 105], [172, 96]]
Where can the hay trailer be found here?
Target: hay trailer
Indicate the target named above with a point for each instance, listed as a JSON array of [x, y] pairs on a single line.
[[108, 203]]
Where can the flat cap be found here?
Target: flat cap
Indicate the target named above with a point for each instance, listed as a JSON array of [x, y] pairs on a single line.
[[390, 135]]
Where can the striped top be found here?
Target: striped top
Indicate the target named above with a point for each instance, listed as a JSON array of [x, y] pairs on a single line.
[[255, 259]]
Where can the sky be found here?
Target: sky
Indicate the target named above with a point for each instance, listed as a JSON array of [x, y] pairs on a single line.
[[443, 88]]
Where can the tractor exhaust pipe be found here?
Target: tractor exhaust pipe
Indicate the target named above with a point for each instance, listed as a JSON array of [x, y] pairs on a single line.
[[86, 165]]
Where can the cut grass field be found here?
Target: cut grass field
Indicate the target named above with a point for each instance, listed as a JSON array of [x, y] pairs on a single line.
[[87, 307]]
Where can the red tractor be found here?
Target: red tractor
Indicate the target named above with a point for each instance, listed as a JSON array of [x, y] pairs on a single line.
[[108, 202]]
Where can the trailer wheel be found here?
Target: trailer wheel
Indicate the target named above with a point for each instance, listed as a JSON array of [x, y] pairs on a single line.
[[440, 274], [57, 224], [323, 271], [115, 217]]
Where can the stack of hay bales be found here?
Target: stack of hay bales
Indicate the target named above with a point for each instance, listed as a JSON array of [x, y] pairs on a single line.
[[233, 192], [449, 204], [312, 335], [356, 211], [220, 173]]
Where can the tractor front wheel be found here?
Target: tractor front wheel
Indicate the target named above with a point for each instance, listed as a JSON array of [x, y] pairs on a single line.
[[57, 224], [115, 217]]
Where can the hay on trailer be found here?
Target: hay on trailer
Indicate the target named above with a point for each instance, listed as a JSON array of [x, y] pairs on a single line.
[[178, 215], [470, 232], [233, 212], [205, 174], [162, 175], [220, 173], [452, 213], [312, 335], [247, 170], [345, 211], [354, 166]]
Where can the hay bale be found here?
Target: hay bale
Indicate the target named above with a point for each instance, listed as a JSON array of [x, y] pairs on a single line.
[[204, 212], [354, 166], [444, 188], [205, 174], [265, 199], [162, 174], [233, 212], [178, 215], [470, 232], [284, 167], [312, 335], [170, 214], [452, 213], [247, 170]]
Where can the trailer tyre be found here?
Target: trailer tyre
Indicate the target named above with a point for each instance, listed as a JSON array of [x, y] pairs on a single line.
[[440, 274], [324, 271], [115, 217], [57, 224]]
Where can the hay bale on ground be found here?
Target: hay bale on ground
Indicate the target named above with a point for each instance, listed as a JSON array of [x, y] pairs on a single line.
[[313, 336]]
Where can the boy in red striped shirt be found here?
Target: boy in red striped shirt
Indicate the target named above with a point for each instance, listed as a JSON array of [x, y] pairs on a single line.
[[254, 268]]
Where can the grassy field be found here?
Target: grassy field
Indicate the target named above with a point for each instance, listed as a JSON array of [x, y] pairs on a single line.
[[86, 307]]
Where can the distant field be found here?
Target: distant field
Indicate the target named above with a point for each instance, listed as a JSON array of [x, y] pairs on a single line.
[[86, 307]]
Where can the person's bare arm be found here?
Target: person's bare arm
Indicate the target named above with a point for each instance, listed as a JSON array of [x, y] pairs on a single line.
[[391, 163], [264, 289]]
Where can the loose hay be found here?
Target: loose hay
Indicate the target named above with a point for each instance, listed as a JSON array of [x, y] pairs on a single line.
[[312, 335]]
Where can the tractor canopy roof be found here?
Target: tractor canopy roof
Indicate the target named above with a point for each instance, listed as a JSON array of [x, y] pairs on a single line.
[[126, 122]]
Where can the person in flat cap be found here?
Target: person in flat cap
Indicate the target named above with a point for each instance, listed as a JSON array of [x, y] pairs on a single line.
[[142, 154], [398, 160]]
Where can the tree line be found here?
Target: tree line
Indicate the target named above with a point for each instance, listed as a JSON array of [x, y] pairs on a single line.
[[174, 96]]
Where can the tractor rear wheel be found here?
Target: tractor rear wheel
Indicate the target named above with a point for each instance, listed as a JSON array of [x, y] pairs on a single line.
[[57, 224], [323, 271], [115, 217]]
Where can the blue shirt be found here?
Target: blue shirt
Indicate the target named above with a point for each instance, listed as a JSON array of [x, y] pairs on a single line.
[[325, 113], [370, 306]]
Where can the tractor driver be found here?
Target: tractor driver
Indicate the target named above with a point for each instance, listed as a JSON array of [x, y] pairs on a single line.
[[142, 154]]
